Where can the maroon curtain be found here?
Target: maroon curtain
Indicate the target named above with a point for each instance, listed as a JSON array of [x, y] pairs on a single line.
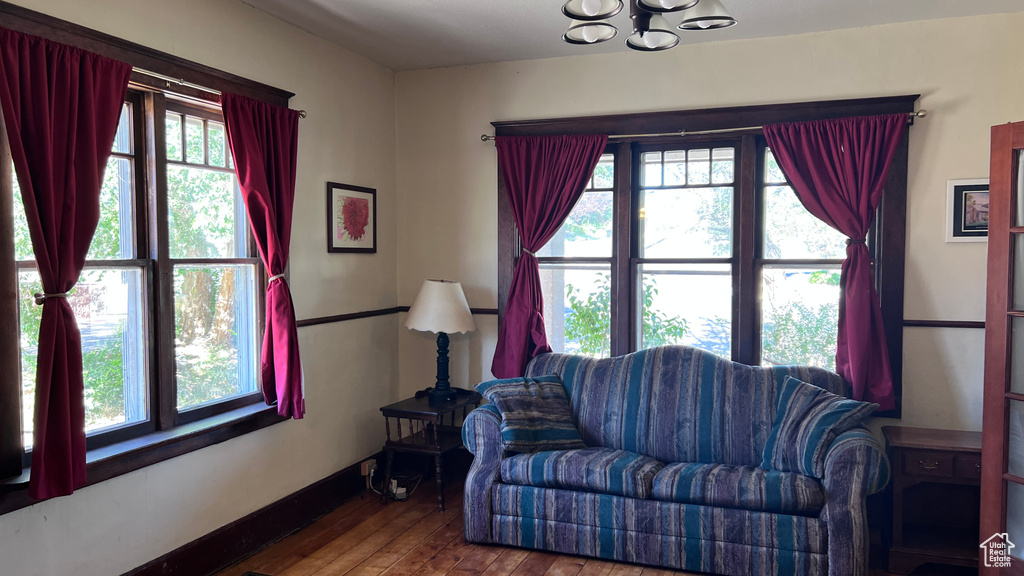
[[544, 177], [61, 106], [264, 140], [838, 169]]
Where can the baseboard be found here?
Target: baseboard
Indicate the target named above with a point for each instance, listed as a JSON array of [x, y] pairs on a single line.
[[240, 539]]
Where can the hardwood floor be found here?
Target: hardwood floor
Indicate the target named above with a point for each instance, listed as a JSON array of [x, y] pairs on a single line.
[[365, 538]]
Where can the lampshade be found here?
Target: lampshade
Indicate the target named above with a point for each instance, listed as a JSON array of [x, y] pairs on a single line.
[[652, 33], [666, 5], [440, 307], [707, 15], [583, 32], [591, 9]]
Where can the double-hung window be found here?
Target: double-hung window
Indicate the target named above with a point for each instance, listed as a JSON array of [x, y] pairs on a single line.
[[700, 240], [169, 304]]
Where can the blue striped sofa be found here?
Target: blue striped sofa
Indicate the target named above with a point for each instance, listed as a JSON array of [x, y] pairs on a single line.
[[671, 474]]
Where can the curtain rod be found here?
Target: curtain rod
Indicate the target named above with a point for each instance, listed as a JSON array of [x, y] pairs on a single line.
[[182, 82], [910, 120]]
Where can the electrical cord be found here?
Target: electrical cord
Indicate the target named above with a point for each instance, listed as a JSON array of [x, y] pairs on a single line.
[[411, 484]]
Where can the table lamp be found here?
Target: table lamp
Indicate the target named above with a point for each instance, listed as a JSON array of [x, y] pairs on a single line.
[[441, 307]]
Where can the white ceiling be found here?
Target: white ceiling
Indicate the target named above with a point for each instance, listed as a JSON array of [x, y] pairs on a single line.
[[417, 34]]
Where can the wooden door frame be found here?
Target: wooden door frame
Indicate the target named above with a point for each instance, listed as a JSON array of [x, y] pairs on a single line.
[[1006, 140]]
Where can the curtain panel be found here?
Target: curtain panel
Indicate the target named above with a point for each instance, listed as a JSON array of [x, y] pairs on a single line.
[[544, 177], [264, 142], [61, 106], [838, 170]]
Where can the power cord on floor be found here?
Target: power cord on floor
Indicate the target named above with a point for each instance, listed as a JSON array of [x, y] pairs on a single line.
[[402, 486]]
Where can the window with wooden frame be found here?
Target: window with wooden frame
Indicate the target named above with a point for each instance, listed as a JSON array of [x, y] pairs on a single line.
[[170, 303], [699, 240]]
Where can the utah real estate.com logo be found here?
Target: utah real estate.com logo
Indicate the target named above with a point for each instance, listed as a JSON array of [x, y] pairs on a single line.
[[996, 550]]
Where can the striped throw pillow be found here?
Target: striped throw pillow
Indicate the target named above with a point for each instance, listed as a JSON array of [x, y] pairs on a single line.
[[807, 420], [535, 414]]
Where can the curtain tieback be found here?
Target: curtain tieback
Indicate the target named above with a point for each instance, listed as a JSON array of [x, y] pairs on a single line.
[[41, 297], [850, 241], [277, 277], [530, 253]]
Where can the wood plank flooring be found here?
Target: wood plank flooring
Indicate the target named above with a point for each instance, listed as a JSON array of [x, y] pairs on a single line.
[[366, 538]]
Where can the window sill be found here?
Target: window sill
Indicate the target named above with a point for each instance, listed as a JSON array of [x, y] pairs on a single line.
[[124, 457]]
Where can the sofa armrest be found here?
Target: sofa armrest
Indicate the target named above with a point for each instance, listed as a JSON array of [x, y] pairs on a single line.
[[855, 466], [856, 461], [481, 433]]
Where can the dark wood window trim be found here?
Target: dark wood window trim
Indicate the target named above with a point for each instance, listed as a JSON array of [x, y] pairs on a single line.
[[117, 459], [167, 433], [139, 56], [888, 237]]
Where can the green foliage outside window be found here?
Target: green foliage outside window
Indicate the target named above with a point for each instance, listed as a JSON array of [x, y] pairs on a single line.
[[589, 323]]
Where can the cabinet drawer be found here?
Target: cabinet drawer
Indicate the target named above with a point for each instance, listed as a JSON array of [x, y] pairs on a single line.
[[928, 463], [968, 466]]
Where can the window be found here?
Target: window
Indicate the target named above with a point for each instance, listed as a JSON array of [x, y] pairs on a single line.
[[215, 335], [575, 271], [170, 321], [801, 260], [699, 240]]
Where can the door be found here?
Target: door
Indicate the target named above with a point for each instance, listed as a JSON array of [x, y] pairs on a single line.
[[1002, 480]]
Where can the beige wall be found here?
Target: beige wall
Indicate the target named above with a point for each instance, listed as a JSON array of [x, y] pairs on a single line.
[[968, 71], [350, 370]]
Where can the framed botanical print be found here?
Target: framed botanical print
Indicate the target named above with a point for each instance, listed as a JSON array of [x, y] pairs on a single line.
[[351, 218]]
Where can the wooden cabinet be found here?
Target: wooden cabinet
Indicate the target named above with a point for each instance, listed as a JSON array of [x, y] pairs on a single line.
[[935, 497]]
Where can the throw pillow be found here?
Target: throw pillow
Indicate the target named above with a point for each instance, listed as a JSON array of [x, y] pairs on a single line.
[[807, 420], [535, 414]]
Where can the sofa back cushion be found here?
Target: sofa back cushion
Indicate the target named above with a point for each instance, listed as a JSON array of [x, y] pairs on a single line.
[[676, 403]]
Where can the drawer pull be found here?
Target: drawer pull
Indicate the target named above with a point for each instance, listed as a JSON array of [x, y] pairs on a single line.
[[977, 466], [928, 464]]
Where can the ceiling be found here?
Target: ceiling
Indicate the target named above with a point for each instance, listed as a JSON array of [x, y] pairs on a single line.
[[417, 34]]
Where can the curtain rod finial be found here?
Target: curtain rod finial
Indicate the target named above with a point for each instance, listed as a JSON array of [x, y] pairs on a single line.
[[302, 113], [486, 138]]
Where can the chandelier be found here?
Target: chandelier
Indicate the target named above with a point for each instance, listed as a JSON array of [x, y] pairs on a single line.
[[651, 29]]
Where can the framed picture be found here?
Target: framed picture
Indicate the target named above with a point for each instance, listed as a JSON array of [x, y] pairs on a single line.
[[351, 218], [967, 210]]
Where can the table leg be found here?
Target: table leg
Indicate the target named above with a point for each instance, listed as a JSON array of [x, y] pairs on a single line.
[[439, 475], [387, 477]]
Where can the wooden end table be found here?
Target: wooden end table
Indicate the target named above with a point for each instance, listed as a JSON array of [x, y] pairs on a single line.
[[427, 432], [936, 476]]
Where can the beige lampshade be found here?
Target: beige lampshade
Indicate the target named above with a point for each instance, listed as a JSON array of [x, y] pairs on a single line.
[[440, 307]]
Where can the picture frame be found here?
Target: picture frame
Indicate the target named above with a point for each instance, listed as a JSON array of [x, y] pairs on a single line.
[[967, 210], [351, 218]]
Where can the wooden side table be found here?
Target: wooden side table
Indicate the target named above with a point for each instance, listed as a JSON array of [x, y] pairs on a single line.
[[427, 432], [936, 476]]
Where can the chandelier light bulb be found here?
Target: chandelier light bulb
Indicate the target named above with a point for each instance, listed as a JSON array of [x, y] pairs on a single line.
[[591, 7], [664, 6], [650, 40], [591, 34], [707, 15]]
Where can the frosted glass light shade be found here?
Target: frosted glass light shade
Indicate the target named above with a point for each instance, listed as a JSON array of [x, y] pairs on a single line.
[[591, 10], [583, 32], [440, 307], [707, 15], [666, 5], [658, 36]]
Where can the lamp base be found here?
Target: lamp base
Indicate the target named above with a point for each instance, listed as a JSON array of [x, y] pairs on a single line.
[[448, 395]]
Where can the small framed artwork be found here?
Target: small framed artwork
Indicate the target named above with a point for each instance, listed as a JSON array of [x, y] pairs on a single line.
[[351, 218], [967, 210]]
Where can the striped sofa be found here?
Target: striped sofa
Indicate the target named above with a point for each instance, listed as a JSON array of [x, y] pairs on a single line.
[[671, 474]]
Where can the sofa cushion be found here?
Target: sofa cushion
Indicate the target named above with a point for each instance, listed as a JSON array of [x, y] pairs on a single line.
[[534, 414], [807, 420], [676, 403], [591, 469], [747, 487]]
